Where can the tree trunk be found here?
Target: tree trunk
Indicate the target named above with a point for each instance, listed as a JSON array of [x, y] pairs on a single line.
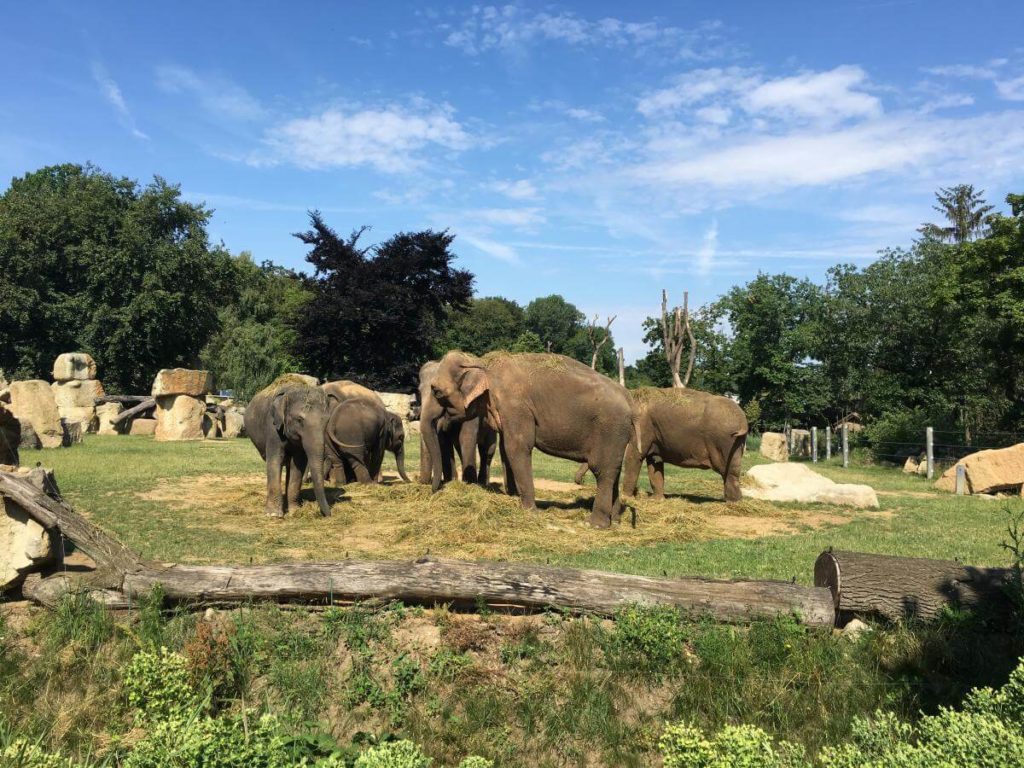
[[897, 588], [138, 410], [622, 367]]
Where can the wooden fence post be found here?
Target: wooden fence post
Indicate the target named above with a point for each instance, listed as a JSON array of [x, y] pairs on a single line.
[[929, 443], [846, 445]]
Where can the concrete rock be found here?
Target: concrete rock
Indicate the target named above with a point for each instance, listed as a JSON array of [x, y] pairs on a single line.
[[10, 436], [143, 427], [104, 415], [74, 366], [998, 469], [397, 403], [24, 544], [212, 426], [801, 439], [73, 432], [77, 393], [773, 446], [855, 628], [798, 482], [32, 402], [182, 381], [910, 466], [179, 417], [234, 424]]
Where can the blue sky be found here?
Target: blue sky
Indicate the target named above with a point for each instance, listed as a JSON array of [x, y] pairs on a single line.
[[598, 150]]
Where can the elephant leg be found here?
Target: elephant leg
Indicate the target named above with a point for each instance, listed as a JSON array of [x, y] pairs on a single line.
[[447, 455], [467, 451], [733, 470], [487, 445], [520, 457], [274, 506], [363, 475], [296, 473], [632, 470], [425, 469], [606, 466], [656, 474], [510, 476], [581, 473]]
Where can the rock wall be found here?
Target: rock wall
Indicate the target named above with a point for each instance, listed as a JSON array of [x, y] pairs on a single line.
[[990, 471], [181, 403], [33, 404], [75, 389]]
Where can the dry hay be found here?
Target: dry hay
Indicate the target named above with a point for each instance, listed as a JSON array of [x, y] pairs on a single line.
[[398, 520], [668, 394], [287, 380]]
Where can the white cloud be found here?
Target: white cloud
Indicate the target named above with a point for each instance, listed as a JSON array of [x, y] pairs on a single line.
[[520, 189], [389, 138], [508, 217], [830, 95], [217, 95], [499, 251], [714, 115], [112, 93], [584, 115], [512, 29], [1009, 87], [697, 86], [1011, 90], [708, 248]]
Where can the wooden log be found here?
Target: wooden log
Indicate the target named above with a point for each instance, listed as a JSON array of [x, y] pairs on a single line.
[[50, 591], [435, 581], [121, 399], [137, 410], [898, 588]]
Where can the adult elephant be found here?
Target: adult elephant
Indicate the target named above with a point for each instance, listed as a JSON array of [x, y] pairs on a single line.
[[357, 434], [472, 439], [687, 428], [345, 390], [545, 401], [286, 423]]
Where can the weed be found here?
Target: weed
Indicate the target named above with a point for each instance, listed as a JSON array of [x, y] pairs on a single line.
[[448, 666], [646, 640]]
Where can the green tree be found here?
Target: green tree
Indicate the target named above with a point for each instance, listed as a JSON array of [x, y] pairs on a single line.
[[964, 209], [487, 324], [556, 322], [527, 341], [90, 262], [256, 341]]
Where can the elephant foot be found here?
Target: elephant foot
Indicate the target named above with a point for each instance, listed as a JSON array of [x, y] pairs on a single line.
[[657, 496], [599, 520], [274, 512]]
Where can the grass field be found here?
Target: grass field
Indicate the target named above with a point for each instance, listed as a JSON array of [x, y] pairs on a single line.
[[541, 690], [202, 502]]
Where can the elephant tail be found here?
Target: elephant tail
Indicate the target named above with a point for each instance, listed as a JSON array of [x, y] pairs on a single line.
[[634, 418], [741, 432]]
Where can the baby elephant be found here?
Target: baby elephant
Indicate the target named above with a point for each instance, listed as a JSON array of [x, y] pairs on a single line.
[[689, 429], [357, 434]]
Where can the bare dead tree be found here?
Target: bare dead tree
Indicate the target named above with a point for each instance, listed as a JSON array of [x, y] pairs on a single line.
[[592, 335], [676, 334], [622, 367]]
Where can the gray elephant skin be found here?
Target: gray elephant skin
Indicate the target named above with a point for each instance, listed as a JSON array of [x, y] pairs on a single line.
[[286, 423], [687, 428], [346, 390], [544, 401], [472, 439], [358, 431]]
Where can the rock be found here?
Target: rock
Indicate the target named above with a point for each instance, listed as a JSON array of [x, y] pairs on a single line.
[[104, 415], [910, 466], [76, 401], [40, 477], [855, 628], [73, 366], [182, 381], [234, 424], [10, 436], [212, 426], [32, 402], [397, 403], [801, 440], [24, 544], [798, 482], [143, 427], [29, 438], [773, 446], [179, 417], [73, 431], [922, 466], [997, 469]]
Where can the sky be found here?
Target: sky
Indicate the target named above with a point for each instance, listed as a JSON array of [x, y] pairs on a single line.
[[600, 150]]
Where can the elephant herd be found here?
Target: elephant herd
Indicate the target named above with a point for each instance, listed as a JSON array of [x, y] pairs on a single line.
[[513, 402]]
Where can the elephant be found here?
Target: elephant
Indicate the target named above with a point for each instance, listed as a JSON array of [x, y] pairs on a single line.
[[545, 401], [286, 423], [357, 434], [345, 390], [472, 439], [687, 428]]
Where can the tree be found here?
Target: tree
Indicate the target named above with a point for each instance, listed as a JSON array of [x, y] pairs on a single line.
[[674, 336], [256, 341], [377, 312], [487, 324], [964, 209], [94, 263], [598, 340], [527, 341], [555, 321]]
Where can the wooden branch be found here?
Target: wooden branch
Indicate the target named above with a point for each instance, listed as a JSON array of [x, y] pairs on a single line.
[[897, 588], [121, 399], [672, 337], [592, 335], [622, 367], [430, 582], [693, 340], [138, 410]]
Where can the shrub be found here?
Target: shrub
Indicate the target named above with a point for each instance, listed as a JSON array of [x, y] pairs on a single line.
[[646, 639], [475, 761], [238, 741], [394, 754], [158, 686], [24, 754]]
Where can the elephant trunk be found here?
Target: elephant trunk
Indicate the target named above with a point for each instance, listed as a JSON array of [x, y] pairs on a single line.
[[428, 431], [316, 468], [400, 462]]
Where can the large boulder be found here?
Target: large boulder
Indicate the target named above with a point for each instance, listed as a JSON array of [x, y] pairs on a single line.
[[24, 544], [998, 469], [182, 381], [800, 440], [76, 401], [72, 366], [234, 423], [143, 427], [179, 417], [798, 482], [774, 447], [104, 418], [33, 404], [10, 436]]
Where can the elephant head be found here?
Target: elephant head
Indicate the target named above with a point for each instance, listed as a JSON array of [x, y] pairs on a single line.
[[458, 391], [299, 414], [394, 441]]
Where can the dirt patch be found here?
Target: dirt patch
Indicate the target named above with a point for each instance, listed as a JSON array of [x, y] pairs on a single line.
[[559, 486]]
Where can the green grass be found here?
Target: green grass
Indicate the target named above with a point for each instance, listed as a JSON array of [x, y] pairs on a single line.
[[105, 476]]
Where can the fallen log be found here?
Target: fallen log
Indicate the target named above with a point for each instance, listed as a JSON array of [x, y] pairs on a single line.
[[897, 588], [435, 581], [137, 410], [121, 399]]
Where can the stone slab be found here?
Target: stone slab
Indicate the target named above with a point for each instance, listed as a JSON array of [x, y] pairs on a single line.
[[182, 381]]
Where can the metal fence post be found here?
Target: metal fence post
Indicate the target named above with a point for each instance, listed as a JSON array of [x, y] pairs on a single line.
[[828, 443], [961, 480], [846, 446], [814, 445], [929, 447]]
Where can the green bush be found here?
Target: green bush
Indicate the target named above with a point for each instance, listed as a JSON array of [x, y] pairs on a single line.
[[394, 754], [897, 432], [24, 754], [236, 741], [159, 687], [475, 761], [646, 639]]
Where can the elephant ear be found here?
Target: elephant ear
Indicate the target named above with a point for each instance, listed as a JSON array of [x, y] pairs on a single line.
[[473, 385], [277, 410]]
